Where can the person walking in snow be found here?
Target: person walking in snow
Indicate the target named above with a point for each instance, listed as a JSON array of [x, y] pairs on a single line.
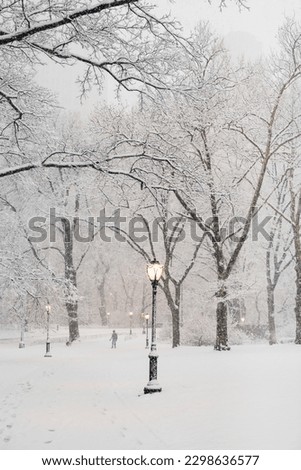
[[114, 338]]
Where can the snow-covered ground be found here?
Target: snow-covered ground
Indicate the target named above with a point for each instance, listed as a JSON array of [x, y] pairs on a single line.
[[91, 397]]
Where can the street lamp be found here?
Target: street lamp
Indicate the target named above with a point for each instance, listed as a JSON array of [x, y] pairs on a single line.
[[146, 316], [48, 310], [131, 322], [108, 319], [154, 272]]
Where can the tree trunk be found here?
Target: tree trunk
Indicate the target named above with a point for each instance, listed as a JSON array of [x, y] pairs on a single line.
[[174, 306], [298, 299], [72, 310], [271, 292], [295, 217], [176, 335], [71, 283], [271, 314], [103, 307], [297, 243], [221, 321]]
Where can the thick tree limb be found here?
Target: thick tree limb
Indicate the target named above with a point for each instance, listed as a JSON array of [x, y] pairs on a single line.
[[7, 38]]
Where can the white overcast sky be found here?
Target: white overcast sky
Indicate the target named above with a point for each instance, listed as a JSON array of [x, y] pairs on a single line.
[[259, 24], [250, 32]]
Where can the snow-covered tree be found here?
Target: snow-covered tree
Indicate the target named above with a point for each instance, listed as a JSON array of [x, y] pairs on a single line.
[[262, 133]]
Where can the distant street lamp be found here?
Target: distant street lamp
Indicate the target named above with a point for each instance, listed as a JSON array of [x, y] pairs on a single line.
[[108, 319], [131, 322], [154, 272], [146, 316], [48, 310]]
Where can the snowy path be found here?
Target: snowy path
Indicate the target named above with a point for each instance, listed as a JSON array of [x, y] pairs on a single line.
[[73, 400], [90, 397]]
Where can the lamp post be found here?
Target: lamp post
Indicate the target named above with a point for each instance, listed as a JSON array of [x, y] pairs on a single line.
[[108, 319], [48, 310], [131, 322], [154, 271], [146, 316]]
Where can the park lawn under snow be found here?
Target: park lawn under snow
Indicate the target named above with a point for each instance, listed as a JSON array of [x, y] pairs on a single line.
[[91, 397]]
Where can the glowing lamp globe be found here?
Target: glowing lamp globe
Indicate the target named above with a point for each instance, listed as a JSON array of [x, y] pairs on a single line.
[[155, 271]]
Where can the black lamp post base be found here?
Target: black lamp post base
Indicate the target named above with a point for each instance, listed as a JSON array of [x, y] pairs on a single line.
[[152, 387], [21, 345]]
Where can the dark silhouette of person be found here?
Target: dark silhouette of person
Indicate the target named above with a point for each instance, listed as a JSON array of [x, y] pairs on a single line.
[[114, 338]]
